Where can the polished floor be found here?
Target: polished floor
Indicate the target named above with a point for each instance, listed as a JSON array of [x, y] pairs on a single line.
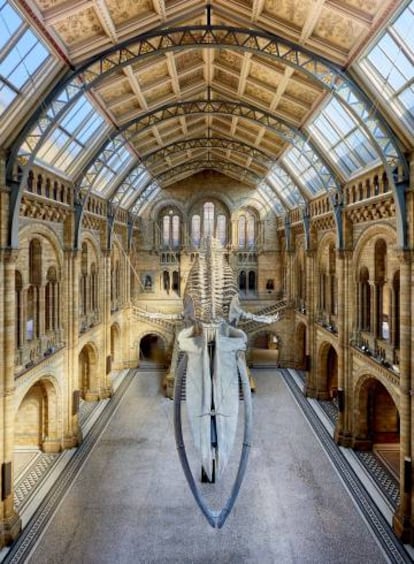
[[130, 502]]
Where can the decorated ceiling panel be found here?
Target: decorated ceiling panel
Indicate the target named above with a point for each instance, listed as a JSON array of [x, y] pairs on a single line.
[[292, 103]]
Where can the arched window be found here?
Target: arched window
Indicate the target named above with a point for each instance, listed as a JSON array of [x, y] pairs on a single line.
[[19, 308], [242, 281], [208, 227], [94, 287], [175, 231], [51, 300], [195, 230], [332, 281], [35, 262], [364, 300], [380, 303], [166, 230], [84, 280], [395, 333], [31, 313], [252, 281], [166, 280], [175, 281], [250, 231], [242, 231], [221, 229]]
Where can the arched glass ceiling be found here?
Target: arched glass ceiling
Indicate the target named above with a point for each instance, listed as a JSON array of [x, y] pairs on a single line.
[[73, 138], [22, 56], [303, 169], [271, 198], [341, 135], [70, 142], [389, 65], [283, 184]]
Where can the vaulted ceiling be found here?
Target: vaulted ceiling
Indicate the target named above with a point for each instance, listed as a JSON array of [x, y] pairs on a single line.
[[206, 133]]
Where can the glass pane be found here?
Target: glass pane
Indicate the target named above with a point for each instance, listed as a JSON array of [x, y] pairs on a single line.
[[195, 230], [10, 22], [175, 231], [250, 231], [390, 64], [166, 230], [208, 219], [221, 229], [242, 231]]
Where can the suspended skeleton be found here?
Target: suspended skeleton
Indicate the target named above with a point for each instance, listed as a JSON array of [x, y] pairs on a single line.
[[214, 362]]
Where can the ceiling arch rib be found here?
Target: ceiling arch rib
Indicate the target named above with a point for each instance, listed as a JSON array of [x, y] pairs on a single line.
[[321, 70], [210, 164], [158, 42], [268, 194], [322, 169], [208, 143]]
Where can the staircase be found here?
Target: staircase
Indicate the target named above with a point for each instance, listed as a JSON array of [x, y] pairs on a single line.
[[250, 325], [143, 315]]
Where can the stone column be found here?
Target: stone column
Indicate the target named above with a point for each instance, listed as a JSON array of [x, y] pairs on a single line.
[[402, 521], [10, 524], [106, 385], [310, 389], [70, 323], [344, 324]]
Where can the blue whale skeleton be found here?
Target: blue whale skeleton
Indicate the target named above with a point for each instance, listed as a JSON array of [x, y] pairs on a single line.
[[210, 371]]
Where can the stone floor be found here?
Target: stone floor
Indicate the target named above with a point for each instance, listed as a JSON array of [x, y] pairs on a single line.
[[130, 502]]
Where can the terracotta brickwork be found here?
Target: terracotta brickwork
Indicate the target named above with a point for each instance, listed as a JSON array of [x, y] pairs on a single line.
[[69, 311]]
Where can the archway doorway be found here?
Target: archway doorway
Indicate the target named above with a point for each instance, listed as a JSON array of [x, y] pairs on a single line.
[[152, 349], [36, 420], [88, 366], [264, 349], [378, 424], [328, 367]]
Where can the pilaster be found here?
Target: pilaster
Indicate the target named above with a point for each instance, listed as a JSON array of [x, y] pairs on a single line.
[[10, 524]]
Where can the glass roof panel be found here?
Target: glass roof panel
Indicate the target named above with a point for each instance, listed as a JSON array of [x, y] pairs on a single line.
[[117, 161], [71, 137], [340, 133], [270, 198], [389, 64], [22, 54], [134, 188], [302, 168], [285, 186]]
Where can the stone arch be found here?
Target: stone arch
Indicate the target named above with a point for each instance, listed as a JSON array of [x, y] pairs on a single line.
[[91, 240], [196, 201], [34, 230], [264, 348], [158, 207], [88, 372], [38, 417], [379, 231], [327, 371], [376, 419], [153, 347], [116, 345]]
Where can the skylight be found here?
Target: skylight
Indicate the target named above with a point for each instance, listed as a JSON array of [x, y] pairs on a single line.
[[340, 133], [299, 163], [390, 66], [72, 137], [22, 54], [270, 198], [113, 163], [134, 189], [284, 185]]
